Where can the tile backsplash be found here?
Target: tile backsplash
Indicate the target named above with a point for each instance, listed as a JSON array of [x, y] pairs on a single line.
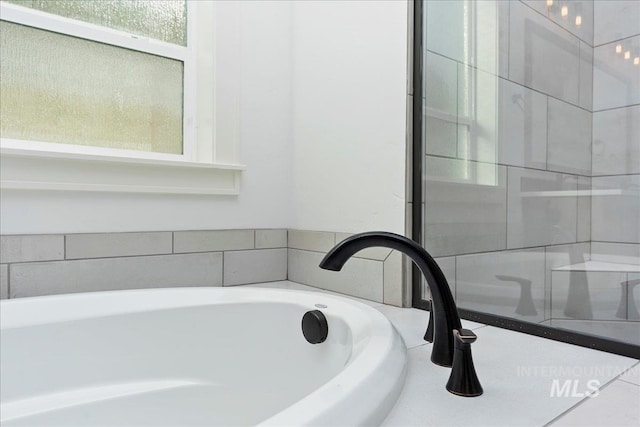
[[35, 265]]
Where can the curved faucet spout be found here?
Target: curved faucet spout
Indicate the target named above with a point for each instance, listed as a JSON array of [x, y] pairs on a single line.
[[444, 311]]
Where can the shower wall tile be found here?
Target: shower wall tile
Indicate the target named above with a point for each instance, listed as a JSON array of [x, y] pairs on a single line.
[[319, 241], [60, 277], [264, 265], [466, 206], [440, 137], [522, 125], [4, 281], [615, 20], [268, 239], [616, 80], [445, 27], [588, 295], [392, 279], [615, 209], [616, 141], [212, 241], [569, 148], [584, 209], [24, 248], [584, 8], [561, 256], [509, 283], [359, 277], [441, 84], [623, 253], [586, 76], [633, 292], [445, 21], [542, 208], [448, 267], [543, 56], [477, 105], [102, 245], [491, 39]]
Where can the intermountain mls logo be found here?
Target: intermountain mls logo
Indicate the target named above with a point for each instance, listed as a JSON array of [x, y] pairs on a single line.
[[574, 388], [571, 381]]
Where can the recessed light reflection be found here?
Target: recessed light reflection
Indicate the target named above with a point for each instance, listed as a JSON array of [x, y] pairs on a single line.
[[578, 20], [627, 55], [564, 11], [636, 60], [619, 48], [549, 3]]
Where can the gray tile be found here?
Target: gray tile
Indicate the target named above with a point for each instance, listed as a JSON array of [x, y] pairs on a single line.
[[4, 281], [35, 247], [103, 245], [509, 283], [624, 253], [542, 208], [263, 265], [543, 56], [212, 241], [633, 292], [616, 81], [569, 144], [465, 206], [440, 136], [377, 253], [359, 277], [267, 239], [584, 209], [616, 141], [561, 256], [284, 285], [615, 20], [586, 76], [392, 279], [590, 295], [583, 8], [59, 277], [478, 103], [441, 85], [318, 241], [444, 28], [609, 408], [615, 209], [448, 267], [522, 126]]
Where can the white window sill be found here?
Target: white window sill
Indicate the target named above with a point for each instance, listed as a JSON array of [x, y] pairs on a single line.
[[41, 170]]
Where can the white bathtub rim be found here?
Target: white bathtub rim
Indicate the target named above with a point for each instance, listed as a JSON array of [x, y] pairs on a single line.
[[353, 397]]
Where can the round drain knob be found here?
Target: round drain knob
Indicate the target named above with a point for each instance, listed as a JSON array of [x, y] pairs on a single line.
[[314, 327]]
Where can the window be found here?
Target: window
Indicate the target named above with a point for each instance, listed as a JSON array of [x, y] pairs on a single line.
[[108, 81]]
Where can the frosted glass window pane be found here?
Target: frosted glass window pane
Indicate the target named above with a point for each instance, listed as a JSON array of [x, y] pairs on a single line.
[[57, 88], [159, 19]]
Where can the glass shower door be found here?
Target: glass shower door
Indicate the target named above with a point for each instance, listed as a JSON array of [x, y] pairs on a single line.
[[531, 163]]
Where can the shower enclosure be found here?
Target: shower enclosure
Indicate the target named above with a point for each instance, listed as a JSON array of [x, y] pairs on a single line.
[[526, 163]]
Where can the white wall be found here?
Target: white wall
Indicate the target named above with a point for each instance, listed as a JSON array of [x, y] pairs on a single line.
[[265, 148], [323, 117], [349, 115]]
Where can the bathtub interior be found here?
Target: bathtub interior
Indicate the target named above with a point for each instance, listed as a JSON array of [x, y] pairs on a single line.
[[224, 364]]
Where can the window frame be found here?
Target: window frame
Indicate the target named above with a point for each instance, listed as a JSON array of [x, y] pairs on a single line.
[[210, 118]]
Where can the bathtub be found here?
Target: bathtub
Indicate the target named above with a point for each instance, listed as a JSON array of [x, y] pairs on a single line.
[[195, 356]]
